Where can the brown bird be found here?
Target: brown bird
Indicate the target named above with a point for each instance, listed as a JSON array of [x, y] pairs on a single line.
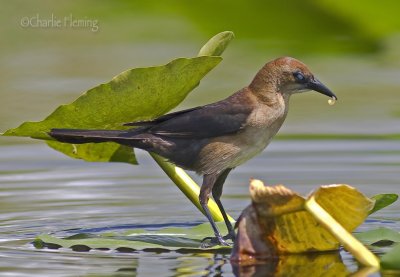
[[214, 139]]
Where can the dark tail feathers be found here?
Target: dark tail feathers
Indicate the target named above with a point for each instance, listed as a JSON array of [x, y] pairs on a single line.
[[78, 136]]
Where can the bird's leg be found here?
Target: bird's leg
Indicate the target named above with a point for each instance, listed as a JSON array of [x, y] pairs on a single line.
[[216, 193], [205, 190]]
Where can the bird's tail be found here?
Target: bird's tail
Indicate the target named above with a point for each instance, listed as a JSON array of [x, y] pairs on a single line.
[[77, 136]]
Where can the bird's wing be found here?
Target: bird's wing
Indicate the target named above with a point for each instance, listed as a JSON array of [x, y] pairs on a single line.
[[161, 118], [203, 122]]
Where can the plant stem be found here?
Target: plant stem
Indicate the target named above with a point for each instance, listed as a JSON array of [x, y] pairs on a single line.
[[189, 187], [350, 243]]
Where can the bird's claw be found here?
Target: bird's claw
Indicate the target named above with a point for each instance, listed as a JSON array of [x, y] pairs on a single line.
[[231, 236], [209, 242]]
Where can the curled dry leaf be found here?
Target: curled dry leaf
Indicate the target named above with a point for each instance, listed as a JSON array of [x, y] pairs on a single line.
[[277, 221]]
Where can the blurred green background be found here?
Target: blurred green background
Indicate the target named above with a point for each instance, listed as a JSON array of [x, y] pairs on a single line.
[[352, 46]]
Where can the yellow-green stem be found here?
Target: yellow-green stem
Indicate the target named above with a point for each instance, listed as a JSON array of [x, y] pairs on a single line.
[[189, 187], [350, 243]]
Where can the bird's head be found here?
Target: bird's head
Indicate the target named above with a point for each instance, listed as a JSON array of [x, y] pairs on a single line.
[[288, 76]]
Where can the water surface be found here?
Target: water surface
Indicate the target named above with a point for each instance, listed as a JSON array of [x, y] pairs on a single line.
[[44, 192]]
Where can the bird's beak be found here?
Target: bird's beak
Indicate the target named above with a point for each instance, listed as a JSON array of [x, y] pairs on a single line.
[[315, 84]]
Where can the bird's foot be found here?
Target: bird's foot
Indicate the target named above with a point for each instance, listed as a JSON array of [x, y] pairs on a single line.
[[209, 242], [218, 240], [231, 236]]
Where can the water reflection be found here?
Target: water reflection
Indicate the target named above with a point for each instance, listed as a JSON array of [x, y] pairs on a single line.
[[325, 264]]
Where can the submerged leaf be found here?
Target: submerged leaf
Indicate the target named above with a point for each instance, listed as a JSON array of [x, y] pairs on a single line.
[[139, 239], [383, 200]]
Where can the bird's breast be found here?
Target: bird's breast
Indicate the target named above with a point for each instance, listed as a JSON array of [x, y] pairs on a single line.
[[251, 142], [233, 150]]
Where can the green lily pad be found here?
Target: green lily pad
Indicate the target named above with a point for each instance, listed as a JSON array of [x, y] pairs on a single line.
[[167, 239], [378, 235], [391, 260], [133, 95], [383, 200]]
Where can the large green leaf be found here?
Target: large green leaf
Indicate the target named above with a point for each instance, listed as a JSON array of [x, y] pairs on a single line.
[[96, 152], [134, 95]]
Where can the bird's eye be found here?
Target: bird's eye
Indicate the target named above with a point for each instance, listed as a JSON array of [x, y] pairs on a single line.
[[299, 77]]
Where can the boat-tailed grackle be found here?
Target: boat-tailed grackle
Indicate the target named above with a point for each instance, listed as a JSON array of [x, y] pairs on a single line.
[[215, 138]]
